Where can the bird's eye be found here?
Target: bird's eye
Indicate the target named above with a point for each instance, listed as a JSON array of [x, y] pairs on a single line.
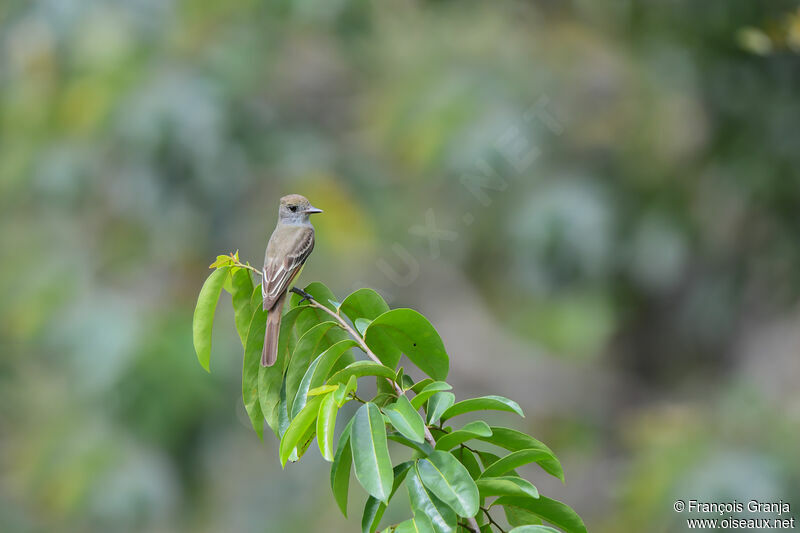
[[292, 208]]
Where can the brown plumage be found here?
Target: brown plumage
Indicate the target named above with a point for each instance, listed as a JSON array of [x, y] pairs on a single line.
[[289, 246]]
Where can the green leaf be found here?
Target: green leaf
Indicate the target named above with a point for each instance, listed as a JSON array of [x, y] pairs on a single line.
[[331, 337], [324, 389], [438, 403], [340, 469], [301, 397], [385, 387], [374, 509], [431, 388], [513, 440], [423, 448], [250, 368], [419, 524], [326, 423], [241, 296], [487, 458], [479, 428], [406, 419], [492, 403], [305, 443], [466, 458], [301, 320], [370, 452], [362, 324], [514, 460], [311, 344], [363, 303], [552, 511], [283, 413], [255, 299], [222, 261], [450, 481], [204, 315], [442, 517], [421, 384], [517, 516], [271, 382], [506, 486], [328, 360], [343, 392], [533, 529], [384, 398], [371, 517], [297, 431], [318, 371], [361, 369], [407, 331]]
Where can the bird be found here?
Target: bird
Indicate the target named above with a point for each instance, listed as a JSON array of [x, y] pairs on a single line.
[[289, 246]]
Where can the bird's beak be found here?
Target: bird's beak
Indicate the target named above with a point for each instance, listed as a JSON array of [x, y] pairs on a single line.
[[311, 210]]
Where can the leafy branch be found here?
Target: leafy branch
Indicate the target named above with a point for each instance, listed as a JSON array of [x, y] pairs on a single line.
[[452, 486], [344, 325]]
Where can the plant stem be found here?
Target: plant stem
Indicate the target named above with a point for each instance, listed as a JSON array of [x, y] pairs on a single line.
[[470, 449], [491, 520], [248, 267], [356, 398]]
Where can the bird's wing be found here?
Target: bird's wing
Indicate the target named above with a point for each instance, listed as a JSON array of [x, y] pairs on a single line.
[[287, 250]]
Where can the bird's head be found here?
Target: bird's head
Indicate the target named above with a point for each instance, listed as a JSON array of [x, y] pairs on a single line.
[[296, 208]]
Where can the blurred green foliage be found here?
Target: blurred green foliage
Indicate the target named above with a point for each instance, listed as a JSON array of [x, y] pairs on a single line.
[[654, 235]]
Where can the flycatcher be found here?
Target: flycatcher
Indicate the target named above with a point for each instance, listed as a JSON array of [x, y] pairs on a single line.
[[288, 248]]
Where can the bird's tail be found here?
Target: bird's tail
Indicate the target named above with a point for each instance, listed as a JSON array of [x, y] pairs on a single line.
[[270, 353]]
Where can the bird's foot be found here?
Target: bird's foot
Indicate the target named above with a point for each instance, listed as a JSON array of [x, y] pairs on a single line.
[[304, 294]]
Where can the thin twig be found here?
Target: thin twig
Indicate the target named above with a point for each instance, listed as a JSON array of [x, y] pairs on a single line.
[[467, 447], [356, 398], [491, 520], [248, 267]]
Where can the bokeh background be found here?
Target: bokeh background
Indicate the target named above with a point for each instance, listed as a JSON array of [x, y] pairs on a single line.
[[595, 202]]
